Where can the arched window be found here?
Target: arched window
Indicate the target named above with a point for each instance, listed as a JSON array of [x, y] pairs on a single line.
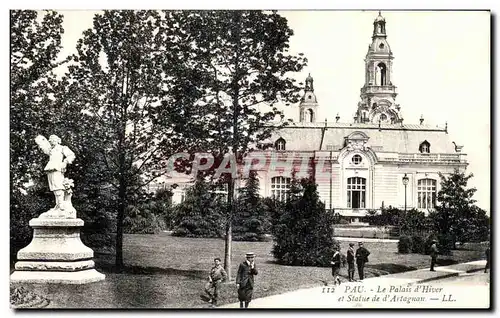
[[280, 188], [425, 147], [310, 115], [356, 192], [383, 117], [280, 144], [427, 193], [381, 71]]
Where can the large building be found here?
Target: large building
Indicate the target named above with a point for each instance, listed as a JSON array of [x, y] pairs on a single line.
[[373, 161], [366, 159]]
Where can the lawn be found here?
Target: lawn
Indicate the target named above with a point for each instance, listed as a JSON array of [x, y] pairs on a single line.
[[169, 272]]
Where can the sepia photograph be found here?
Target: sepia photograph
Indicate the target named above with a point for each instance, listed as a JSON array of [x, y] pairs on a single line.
[[248, 159]]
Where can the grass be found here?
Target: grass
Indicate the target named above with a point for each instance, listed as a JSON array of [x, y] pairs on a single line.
[[169, 272]]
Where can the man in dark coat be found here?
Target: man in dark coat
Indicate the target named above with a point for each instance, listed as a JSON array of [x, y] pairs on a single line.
[[245, 280], [434, 254], [350, 262], [361, 258], [487, 252]]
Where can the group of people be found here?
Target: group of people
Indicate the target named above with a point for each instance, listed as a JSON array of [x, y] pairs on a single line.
[[247, 270], [244, 280], [360, 255]]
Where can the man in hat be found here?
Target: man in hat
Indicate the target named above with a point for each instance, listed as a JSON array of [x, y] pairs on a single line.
[[245, 279], [216, 277], [350, 262], [361, 259], [434, 254]]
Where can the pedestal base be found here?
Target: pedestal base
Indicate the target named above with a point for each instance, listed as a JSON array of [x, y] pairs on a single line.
[[81, 277], [56, 255]]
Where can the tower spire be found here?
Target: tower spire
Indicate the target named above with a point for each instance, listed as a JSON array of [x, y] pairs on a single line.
[[308, 106], [378, 93], [379, 26], [309, 83]]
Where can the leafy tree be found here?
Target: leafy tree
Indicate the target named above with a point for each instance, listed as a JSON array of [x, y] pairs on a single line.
[[201, 214], [303, 235], [34, 46], [131, 69], [35, 43], [456, 214], [251, 221], [246, 63]]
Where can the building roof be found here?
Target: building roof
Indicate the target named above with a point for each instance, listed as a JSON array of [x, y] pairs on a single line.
[[388, 138]]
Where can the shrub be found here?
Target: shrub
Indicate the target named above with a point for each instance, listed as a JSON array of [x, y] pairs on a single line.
[[418, 244], [303, 234], [404, 244], [251, 221], [24, 207], [445, 243], [202, 214], [428, 243], [344, 221]]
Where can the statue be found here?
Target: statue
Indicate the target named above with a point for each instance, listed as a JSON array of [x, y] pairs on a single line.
[[59, 157]]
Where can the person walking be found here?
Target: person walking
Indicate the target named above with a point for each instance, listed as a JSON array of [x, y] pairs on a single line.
[[336, 262], [216, 277], [350, 262], [434, 254], [487, 252], [361, 259], [245, 280]]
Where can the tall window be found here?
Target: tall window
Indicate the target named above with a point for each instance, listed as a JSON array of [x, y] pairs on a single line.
[[280, 144], [426, 193], [381, 74], [310, 115], [356, 193], [280, 187]]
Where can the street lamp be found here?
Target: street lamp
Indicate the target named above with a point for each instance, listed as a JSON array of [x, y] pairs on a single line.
[[405, 183]]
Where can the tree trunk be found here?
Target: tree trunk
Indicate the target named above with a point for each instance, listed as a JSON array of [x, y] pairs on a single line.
[[122, 202], [231, 189], [229, 229], [119, 227]]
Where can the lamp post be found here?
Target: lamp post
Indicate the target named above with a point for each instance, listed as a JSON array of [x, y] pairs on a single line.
[[405, 183]]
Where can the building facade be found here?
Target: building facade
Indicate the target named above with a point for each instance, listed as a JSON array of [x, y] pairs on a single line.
[[363, 163], [375, 160]]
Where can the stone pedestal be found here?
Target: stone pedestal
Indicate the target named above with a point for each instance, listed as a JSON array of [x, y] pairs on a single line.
[[56, 254]]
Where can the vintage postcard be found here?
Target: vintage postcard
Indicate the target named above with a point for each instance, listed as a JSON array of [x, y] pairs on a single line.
[[231, 159]]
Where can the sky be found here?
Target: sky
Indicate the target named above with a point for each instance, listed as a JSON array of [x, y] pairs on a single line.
[[441, 69]]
